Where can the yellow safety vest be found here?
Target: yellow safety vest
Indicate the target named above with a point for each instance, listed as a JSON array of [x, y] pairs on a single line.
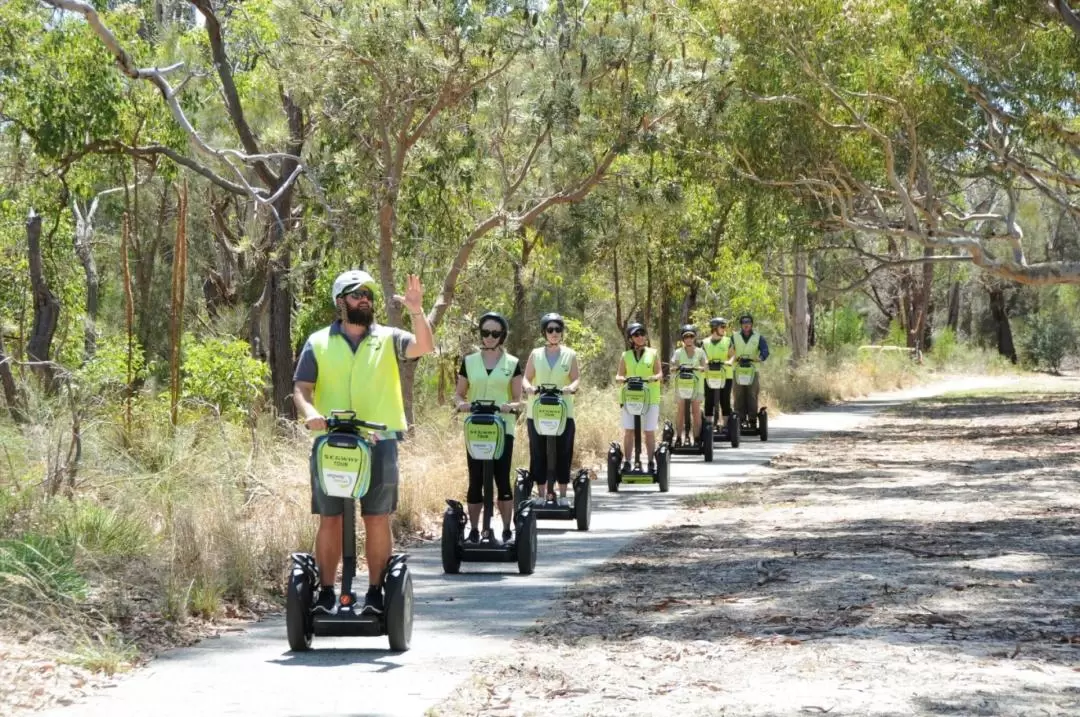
[[747, 349], [558, 375], [365, 381], [644, 367], [718, 351], [682, 358], [494, 386]]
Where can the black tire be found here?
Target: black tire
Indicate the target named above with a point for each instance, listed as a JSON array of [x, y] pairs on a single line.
[[707, 441], [614, 469], [662, 464], [763, 424], [734, 430], [399, 609], [298, 613], [451, 537], [583, 503], [526, 543]]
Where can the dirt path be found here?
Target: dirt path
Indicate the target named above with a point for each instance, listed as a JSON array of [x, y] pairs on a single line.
[[926, 564]]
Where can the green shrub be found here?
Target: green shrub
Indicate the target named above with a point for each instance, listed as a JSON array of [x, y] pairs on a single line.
[[944, 348], [1049, 338], [102, 532], [840, 327], [223, 374], [34, 567], [106, 373]]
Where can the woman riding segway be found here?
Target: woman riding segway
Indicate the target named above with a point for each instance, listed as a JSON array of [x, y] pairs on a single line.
[[643, 362], [553, 365], [688, 355], [717, 348], [491, 374]]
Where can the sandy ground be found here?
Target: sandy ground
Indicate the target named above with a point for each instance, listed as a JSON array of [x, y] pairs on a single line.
[[926, 564]]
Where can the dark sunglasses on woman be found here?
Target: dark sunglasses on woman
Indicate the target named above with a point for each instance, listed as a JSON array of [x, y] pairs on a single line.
[[490, 334], [554, 329]]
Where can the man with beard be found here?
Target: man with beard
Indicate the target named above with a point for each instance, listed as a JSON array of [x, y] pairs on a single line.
[[352, 365]]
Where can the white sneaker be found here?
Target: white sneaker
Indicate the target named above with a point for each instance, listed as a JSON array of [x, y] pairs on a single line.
[[564, 502]]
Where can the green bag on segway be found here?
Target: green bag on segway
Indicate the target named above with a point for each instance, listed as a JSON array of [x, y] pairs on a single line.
[[485, 436], [343, 464], [635, 397], [685, 383], [716, 375], [744, 375], [549, 415]]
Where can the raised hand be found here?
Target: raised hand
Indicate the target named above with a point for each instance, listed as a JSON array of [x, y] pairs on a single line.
[[413, 299]]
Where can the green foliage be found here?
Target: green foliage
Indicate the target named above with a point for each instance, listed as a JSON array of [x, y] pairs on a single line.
[[223, 374], [842, 326], [1048, 339], [107, 372], [35, 567], [98, 531], [896, 335], [944, 347]]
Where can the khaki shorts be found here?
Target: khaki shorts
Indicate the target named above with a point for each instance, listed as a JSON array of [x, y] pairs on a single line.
[[649, 420]]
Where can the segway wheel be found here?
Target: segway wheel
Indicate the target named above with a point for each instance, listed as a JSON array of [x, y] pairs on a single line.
[[734, 430], [298, 613], [662, 465], [614, 466], [583, 502], [763, 424], [399, 608], [707, 441], [451, 537], [526, 543]]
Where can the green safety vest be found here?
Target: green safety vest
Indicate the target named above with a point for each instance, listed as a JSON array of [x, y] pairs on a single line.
[[718, 351], [747, 349], [365, 381], [494, 386], [559, 375], [645, 367], [682, 358]]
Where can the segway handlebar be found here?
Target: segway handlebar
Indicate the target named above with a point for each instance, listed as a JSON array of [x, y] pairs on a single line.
[[487, 407], [548, 389], [745, 362], [347, 420]]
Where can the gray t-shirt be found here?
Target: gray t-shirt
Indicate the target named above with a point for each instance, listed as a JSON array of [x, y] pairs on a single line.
[[307, 368]]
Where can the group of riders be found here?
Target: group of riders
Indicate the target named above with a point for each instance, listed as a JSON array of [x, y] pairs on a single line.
[[343, 365]]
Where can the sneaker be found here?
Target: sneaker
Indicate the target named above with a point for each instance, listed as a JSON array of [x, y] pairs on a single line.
[[507, 535], [539, 500], [652, 467], [626, 467], [564, 502], [327, 602], [474, 536], [373, 601]]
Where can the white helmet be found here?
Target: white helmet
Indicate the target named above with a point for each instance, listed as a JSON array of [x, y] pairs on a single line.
[[351, 280]]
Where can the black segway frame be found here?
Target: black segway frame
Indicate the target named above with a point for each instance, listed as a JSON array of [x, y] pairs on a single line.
[[704, 446], [615, 474], [726, 429], [347, 620], [760, 428], [456, 550], [580, 508]]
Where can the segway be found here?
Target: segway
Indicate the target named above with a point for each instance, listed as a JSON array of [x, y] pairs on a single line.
[[635, 399], [727, 429], [685, 383], [549, 420], [342, 459], [758, 425], [484, 439]]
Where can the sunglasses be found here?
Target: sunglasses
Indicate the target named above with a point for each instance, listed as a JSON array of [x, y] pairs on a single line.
[[638, 333], [491, 333], [360, 294], [554, 329]]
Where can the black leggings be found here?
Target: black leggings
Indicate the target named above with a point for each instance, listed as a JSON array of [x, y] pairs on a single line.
[[564, 453], [725, 400], [502, 475]]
